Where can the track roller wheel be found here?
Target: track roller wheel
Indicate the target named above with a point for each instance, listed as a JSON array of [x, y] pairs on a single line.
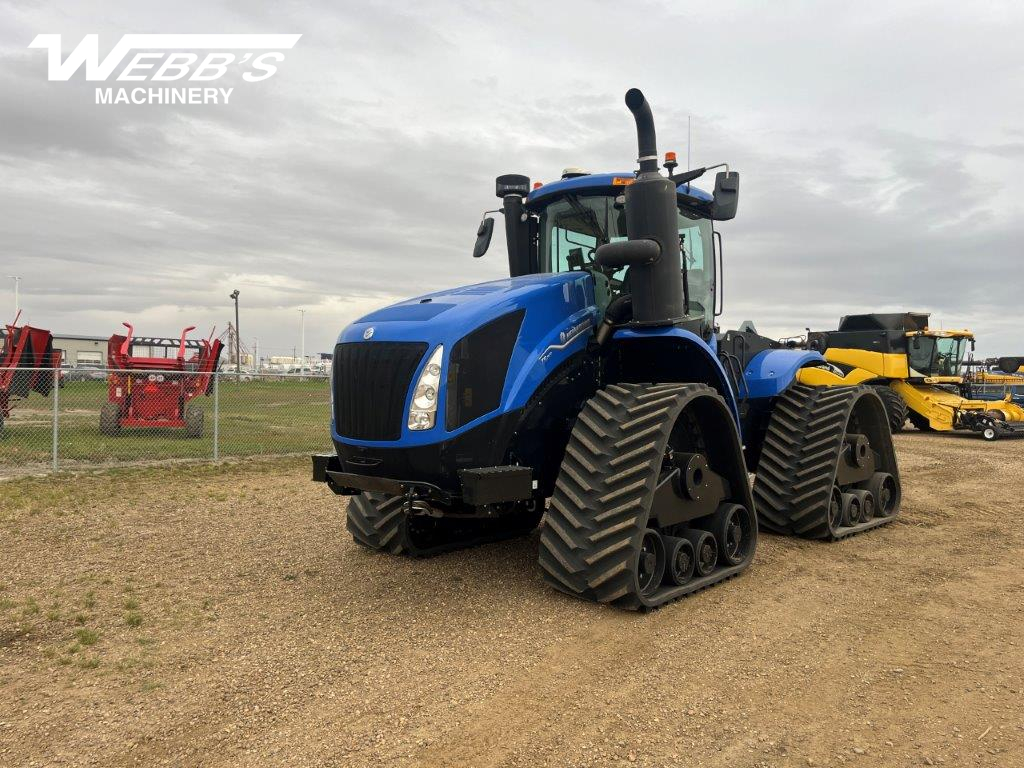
[[885, 492], [851, 510], [820, 439], [679, 560], [866, 504], [705, 548], [628, 479], [732, 526]]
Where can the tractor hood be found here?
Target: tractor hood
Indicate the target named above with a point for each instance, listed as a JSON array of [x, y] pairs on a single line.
[[498, 343], [446, 316]]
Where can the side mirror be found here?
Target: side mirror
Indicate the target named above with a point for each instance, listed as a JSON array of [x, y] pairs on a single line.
[[727, 196], [483, 238]]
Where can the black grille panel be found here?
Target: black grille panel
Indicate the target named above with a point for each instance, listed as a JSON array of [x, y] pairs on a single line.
[[371, 382], [477, 368]]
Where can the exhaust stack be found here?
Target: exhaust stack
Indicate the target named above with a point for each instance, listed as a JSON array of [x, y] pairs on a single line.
[[652, 215]]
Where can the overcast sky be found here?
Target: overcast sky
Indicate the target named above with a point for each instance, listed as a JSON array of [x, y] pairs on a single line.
[[880, 147]]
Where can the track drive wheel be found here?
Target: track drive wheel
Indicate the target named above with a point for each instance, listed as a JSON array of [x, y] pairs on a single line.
[[895, 407], [819, 440], [602, 541]]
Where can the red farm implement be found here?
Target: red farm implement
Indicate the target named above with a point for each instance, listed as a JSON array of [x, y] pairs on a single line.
[[149, 392], [28, 363]]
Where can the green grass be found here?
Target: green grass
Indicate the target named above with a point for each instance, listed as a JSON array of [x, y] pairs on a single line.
[[257, 417]]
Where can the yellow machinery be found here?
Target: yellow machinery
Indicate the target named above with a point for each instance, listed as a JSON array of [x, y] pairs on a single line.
[[918, 371]]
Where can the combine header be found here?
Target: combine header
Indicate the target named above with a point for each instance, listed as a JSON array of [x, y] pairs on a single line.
[[149, 392], [26, 355]]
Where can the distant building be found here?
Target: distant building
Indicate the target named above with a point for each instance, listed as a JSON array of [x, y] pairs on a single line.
[[79, 350]]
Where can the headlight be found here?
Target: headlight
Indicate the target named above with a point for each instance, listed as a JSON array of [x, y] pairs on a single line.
[[423, 413]]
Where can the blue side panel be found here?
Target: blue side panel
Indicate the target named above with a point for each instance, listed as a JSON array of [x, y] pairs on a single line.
[[770, 373], [561, 316], [696, 342]]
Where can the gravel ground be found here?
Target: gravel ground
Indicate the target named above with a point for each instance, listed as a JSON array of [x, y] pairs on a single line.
[[222, 616]]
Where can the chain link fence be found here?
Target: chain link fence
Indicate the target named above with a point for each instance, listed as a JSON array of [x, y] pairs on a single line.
[[87, 421]]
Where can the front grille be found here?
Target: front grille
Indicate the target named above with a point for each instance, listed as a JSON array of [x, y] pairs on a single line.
[[371, 382], [477, 369]]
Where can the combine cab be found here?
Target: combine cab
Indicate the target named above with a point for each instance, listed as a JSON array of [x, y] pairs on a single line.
[[147, 392], [28, 363]]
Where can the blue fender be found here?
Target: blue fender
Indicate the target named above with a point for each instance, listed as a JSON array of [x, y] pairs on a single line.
[[771, 372], [708, 369]]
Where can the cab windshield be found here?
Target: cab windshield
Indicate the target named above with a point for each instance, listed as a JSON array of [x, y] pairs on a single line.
[[931, 356], [572, 227]]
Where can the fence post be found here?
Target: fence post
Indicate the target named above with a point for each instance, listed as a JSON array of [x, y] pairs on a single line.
[[216, 415], [55, 373]]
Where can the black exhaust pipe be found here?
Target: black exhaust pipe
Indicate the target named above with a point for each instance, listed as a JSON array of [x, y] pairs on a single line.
[[652, 214], [646, 139]]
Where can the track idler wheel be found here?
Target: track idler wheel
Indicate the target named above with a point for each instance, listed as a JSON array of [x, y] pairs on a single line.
[[680, 560], [732, 526], [705, 549], [886, 493]]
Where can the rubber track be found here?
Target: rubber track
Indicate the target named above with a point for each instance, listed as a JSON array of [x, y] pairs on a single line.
[[591, 538], [895, 407], [798, 462], [380, 522]]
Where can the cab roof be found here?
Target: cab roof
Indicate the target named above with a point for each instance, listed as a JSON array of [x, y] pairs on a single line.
[[606, 182]]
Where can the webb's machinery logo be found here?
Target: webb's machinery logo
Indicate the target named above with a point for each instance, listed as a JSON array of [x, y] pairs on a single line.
[[169, 58]]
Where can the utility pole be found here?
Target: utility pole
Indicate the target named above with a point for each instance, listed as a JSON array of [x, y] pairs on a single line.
[[238, 341], [17, 301], [256, 355], [302, 333]]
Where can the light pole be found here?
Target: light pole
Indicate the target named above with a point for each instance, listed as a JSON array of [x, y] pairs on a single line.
[[238, 341], [17, 286], [302, 332]]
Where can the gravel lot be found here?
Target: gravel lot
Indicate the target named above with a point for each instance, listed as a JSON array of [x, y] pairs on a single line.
[[222, 616]]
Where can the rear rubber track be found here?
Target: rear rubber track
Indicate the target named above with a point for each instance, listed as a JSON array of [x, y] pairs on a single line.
[[381, 523], [590, 542], [802, 449]]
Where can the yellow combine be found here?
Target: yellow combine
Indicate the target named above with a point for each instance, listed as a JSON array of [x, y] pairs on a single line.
[[917, 370]]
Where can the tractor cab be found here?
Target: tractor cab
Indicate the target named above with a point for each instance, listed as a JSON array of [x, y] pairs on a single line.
[[559, 227]]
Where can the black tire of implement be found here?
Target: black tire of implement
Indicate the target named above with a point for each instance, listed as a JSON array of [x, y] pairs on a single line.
[[590, 543], [895, 407], [801, 451], [193, 421], [110, 419]]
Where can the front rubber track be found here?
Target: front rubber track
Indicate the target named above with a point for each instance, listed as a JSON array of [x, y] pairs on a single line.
[[590, 543], [381, 523], [801, 452]]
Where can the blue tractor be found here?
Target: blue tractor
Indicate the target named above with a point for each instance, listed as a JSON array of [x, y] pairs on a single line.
[[592, 388]]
